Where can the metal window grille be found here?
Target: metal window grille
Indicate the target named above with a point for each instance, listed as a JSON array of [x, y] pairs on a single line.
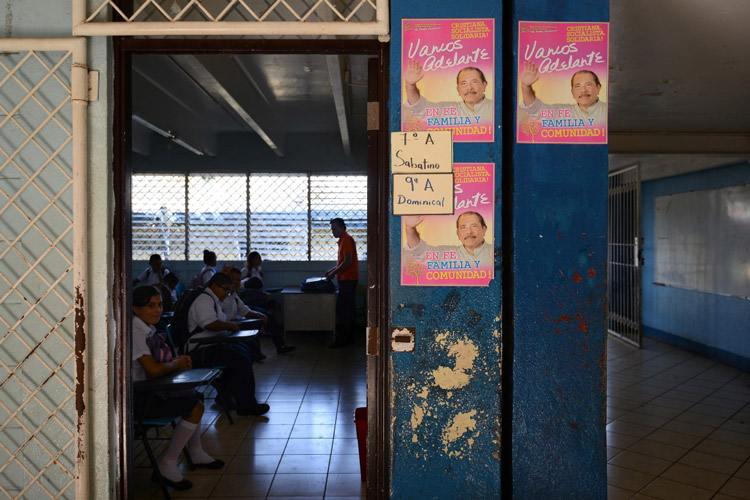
[[230, 17], [42, 262], [159, 216], [278, 216], [218, 216], [337, 196], [285, 217]]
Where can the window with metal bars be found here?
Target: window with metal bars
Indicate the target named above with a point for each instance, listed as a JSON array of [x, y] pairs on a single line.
[[285, 217]]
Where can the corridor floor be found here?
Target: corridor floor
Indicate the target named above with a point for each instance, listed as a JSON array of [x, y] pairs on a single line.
[[678, 428], [678, 425]]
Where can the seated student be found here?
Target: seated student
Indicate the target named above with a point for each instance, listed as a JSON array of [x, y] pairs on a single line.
[[172, 280], [207, 271], [252, 268], [254, 295], [205, 318], [146, 313], [154, 273], [234, 308]]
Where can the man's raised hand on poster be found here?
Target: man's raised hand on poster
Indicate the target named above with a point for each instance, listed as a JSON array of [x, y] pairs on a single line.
[[412, 235], [413, 74], [529, 76]]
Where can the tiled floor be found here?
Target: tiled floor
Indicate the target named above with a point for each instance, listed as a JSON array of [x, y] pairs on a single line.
[[678, 425], [678, 428], [305, 447]]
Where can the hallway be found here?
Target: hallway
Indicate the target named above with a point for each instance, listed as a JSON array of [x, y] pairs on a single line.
[[678, 425]]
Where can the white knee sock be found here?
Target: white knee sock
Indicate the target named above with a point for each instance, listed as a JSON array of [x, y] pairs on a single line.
[[180, 437], [197, 454]]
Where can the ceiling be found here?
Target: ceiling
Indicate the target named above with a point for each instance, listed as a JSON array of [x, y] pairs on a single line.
[[679, 91]]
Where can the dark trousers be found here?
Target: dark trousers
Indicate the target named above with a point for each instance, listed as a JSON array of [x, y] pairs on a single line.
[[237, 377], [346, 310]]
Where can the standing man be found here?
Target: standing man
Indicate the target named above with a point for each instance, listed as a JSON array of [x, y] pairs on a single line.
[[347, 270]]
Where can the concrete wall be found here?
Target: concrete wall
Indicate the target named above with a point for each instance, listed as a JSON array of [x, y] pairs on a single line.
[[713, 325]]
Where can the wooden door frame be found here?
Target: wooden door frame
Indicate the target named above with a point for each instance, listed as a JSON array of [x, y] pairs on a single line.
[[377, 231]]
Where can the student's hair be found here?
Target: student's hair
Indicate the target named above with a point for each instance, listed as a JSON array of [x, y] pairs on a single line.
[[171, 279], [596, 78], [254, 283], [470, 68], [143, 293], [219, 279], [481, 219], [154, 258], [252, 255], [209, 256], [339, 222], [234, 270]]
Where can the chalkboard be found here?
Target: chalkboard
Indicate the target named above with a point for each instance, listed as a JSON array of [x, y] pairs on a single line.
[[702, 240]]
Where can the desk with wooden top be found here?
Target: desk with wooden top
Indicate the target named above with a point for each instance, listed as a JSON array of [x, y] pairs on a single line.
[[308, 311]]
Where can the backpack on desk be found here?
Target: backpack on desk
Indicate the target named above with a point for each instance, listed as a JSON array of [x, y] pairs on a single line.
[[317, 285]]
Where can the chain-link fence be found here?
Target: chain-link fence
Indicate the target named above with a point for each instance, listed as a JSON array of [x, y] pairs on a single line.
[[285, 217]]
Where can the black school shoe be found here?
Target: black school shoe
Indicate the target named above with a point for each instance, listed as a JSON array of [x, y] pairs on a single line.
[[177, 485], [285, 349], [216, 464], [261, 409]]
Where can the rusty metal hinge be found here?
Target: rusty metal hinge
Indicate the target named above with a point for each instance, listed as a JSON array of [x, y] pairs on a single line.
[[373, 337], [373, 115]]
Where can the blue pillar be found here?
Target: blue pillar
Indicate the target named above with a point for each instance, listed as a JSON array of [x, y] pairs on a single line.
[[445, 441], [559, 275], [554, 346]]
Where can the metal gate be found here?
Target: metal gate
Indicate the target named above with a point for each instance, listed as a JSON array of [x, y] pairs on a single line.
[[43, 97], [624, 255]]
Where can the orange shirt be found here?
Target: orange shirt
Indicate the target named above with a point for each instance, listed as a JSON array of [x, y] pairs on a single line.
[[347, 247]]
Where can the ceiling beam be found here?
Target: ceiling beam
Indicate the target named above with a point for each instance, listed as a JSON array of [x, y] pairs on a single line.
[[159, 113], [337, 85], [218, 76], [677, 143]]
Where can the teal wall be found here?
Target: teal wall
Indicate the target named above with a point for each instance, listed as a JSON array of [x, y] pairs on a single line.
[[713, 325]]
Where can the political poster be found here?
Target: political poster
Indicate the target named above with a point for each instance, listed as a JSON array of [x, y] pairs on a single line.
[[456, 249], [448, 77], [562, 82]]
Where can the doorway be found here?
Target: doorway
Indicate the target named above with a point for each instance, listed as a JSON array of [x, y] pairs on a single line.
[[624, 247], [199, 55]]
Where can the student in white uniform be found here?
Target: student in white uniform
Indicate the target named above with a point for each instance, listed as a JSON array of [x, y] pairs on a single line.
[[205, 318], [154, 273], [146, 313]]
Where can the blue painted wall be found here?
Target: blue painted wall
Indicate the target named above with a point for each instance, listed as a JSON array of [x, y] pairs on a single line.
[[445, 442], [559, 274], [713, 325]]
